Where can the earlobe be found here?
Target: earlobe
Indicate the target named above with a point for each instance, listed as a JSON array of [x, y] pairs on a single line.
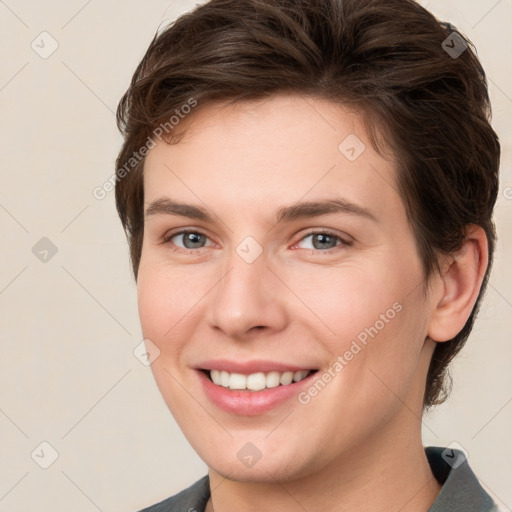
[[461, 281]]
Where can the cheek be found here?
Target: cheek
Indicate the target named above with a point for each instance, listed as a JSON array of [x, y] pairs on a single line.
[[152, 299], [372, 320], [165, 312], [165, 302], [350, 302]]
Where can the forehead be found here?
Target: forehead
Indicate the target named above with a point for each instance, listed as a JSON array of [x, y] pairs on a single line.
[[262, 152]]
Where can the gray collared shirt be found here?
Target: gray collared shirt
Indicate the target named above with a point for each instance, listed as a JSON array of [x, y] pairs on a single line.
[[461, 491]]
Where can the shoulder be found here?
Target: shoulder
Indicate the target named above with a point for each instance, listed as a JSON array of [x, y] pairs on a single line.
[[461, 491], [191, 499]]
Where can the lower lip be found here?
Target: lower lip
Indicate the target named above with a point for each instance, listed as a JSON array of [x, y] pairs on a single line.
[[250, 403]]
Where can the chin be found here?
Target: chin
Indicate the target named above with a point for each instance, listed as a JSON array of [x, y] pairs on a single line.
[[269, 468]]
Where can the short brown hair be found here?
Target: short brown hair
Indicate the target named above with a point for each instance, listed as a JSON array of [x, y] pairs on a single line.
[[390, 58]]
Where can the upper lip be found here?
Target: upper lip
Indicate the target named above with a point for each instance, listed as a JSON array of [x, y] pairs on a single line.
[[248, 367]]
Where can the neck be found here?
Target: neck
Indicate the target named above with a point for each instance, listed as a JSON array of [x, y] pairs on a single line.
[[387, 474]]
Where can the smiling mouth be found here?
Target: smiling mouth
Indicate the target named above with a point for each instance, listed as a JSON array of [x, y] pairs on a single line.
[[256, 381]]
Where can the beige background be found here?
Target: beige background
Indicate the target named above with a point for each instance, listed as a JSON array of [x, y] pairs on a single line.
[[69, 325]]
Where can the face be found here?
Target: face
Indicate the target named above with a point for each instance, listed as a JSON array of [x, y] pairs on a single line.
[[278, 261]]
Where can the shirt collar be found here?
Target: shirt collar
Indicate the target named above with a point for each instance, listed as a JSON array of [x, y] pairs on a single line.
[[461, 491]]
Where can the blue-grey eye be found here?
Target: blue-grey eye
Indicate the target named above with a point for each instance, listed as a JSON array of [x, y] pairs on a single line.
[[190, 239], [321, 241]]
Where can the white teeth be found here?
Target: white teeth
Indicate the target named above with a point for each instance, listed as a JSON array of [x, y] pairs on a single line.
[[215, 375], [286, 378], [272, 380], [256, 381], [224, 379], [298, 376], [237, 381]]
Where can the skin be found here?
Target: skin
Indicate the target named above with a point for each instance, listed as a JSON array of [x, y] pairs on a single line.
[[357, 444]]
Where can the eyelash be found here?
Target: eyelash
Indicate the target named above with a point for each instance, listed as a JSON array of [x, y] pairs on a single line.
[[343, 242]]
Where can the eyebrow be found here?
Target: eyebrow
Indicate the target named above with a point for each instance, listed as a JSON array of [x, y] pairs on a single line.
[[166, 206]]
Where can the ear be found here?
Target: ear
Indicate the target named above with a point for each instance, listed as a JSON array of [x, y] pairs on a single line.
[[460, 282]]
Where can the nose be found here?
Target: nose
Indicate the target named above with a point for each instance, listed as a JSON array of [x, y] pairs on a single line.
[[248, 298]]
